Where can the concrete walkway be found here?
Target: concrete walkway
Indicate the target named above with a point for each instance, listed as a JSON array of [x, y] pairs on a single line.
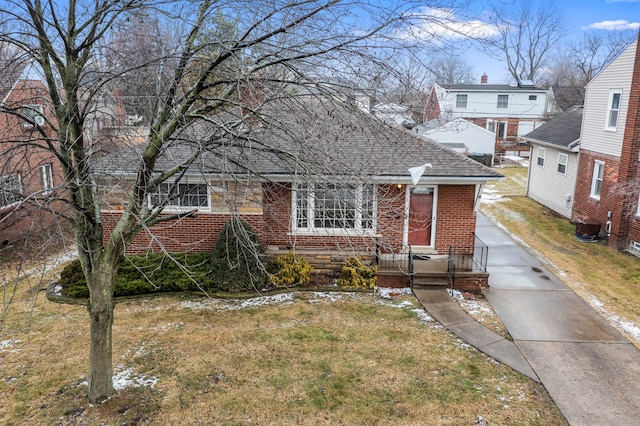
[[591, 370]]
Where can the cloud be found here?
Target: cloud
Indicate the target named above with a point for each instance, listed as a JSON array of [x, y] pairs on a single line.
[[617, 25], [429, 23]]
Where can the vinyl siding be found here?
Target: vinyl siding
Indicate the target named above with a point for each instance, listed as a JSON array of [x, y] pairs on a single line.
[[547, 186], [484, 104], [615, 76]]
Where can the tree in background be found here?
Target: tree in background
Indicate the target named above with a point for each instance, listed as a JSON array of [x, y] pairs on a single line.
[[527, 33]]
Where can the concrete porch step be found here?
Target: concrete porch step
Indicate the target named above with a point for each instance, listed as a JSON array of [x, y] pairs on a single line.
[[421, 282]]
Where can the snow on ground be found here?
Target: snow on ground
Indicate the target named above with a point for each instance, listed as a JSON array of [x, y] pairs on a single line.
[[627, 327], [8, 344], [126, 378], [238, 304], [524, 162]]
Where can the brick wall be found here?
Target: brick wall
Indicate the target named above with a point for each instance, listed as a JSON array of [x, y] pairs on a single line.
[[585, 207], [455, 220], [432, 108], [627, 198], [16, 222], [455, 225]]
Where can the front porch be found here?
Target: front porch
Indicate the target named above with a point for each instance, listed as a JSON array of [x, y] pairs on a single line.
[[460, 269]]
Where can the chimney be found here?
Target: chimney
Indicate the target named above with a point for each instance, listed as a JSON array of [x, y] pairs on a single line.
[[484, 79]]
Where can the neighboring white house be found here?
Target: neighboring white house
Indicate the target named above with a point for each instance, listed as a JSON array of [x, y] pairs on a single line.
[[508, 111], [479, 143], [553, 165], [394, 113]]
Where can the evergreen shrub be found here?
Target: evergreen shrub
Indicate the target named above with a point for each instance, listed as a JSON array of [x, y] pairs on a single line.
[[238, 261], [355, 274], [289, 270], [144, 274]]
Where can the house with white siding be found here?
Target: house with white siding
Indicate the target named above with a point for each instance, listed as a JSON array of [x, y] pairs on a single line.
[[462, 136], [608, 187], [553, 165], [508, 111]]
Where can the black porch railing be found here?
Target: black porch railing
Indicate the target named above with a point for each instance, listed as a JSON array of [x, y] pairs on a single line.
[[458, 260]]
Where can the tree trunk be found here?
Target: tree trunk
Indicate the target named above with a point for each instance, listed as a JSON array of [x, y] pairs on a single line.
[[100, 350]]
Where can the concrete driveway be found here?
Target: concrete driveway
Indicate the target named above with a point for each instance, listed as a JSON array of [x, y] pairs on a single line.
[[590, 369]]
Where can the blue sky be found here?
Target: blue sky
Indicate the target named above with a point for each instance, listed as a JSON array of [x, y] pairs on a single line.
[[580, 16]]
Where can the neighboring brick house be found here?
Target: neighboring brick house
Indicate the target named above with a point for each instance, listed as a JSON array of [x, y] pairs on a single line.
[[29, 172], [509, 111], [323, 180], [608, 183], [553, 166]]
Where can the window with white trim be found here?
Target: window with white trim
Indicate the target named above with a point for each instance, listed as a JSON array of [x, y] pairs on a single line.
[[335, 206], [596, 179], [10, 190], [33, 115], [461, 101], [634, 248], [638, 208], [613, 109], [46, 177], [503, 101], [542, 153], [182, 195], [563, 160]]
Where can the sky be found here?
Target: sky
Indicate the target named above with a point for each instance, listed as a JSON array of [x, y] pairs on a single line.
[[580, 15]]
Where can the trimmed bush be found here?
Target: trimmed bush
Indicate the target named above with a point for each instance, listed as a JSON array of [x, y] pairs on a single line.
[[289, 270], [238, 260], [355, 274], [150, 273]]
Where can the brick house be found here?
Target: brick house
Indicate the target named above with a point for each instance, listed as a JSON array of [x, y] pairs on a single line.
[[29, 175], [509, 111], [608, 185], [315, 176]]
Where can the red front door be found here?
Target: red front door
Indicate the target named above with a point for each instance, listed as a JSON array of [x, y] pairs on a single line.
[[420, 209]]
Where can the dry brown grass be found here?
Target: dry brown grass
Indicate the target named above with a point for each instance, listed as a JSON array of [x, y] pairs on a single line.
[[307, 358], [591, 269]]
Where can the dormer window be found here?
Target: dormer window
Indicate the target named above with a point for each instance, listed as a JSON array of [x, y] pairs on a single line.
[[33, 115]]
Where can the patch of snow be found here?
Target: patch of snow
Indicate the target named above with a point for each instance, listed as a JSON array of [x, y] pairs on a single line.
[[473, 307], [331, 296], [390, 293], [57, 290], [524, 162], [7, 344], [491, 198], [235, 305], [126, 378], [422, 315], [618, 322]]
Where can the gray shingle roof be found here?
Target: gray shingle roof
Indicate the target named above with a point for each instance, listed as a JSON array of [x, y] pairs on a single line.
[[308, 137], [562, 131]]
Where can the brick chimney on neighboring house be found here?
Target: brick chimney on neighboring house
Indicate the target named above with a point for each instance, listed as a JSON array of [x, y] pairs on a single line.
[[484, 79]]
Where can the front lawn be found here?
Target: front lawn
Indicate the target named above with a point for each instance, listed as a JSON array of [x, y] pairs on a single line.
[[294, 358]]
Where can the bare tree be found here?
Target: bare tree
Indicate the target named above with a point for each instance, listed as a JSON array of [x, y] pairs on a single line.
[[527, 33], [451, 69], [273, 44]]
